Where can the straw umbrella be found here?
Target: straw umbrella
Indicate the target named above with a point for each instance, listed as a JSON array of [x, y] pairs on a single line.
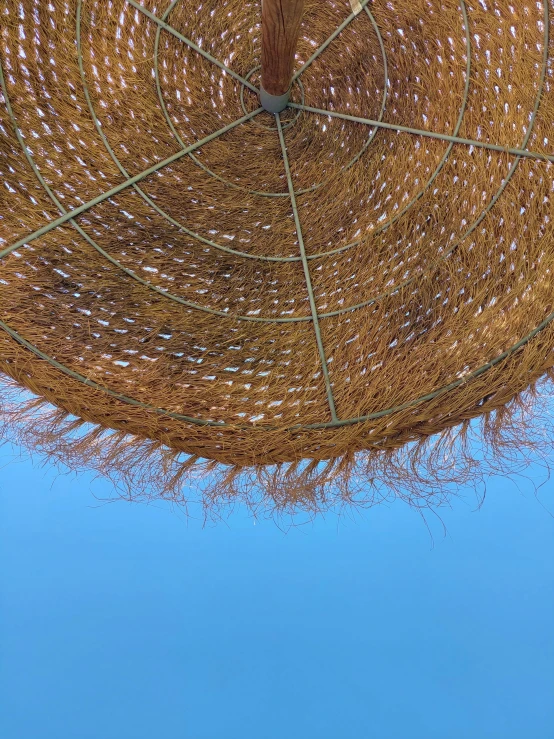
[[296, 245]]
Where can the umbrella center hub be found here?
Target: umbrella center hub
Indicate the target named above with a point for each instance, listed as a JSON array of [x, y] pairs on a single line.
[[249, 102], [274, 103]]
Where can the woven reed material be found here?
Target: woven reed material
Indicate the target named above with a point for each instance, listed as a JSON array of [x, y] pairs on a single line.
[[301, 289]]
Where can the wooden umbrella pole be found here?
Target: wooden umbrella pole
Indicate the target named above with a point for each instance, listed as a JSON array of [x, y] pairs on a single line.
[[280, 31]]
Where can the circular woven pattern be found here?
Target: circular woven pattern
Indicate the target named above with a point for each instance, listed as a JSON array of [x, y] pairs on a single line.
[[369, 268]]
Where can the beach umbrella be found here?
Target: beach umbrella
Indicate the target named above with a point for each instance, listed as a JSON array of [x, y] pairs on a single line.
[[297, 246]]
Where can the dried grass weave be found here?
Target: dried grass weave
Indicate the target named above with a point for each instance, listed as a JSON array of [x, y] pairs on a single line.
[[301, 301]]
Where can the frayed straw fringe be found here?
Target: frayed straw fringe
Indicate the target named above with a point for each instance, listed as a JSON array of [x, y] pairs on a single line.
[[425, 473]]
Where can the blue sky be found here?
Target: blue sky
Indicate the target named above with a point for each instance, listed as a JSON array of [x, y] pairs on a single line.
[[126, 621]]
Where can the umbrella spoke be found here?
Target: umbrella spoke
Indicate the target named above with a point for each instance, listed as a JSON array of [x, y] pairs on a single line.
[[123, 185], [191, 44], [331, 38], [428, 134], [313, 307]]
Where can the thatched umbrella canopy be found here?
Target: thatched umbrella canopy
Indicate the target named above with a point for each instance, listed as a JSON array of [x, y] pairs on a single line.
[[295, 253]]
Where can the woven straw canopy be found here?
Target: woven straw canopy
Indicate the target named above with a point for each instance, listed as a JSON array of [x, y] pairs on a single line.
[[293, 297]]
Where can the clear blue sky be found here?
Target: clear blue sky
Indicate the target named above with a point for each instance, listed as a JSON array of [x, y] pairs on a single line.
[[125, 622]]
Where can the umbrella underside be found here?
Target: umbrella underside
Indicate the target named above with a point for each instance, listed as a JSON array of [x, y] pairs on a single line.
[[368, 268]]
